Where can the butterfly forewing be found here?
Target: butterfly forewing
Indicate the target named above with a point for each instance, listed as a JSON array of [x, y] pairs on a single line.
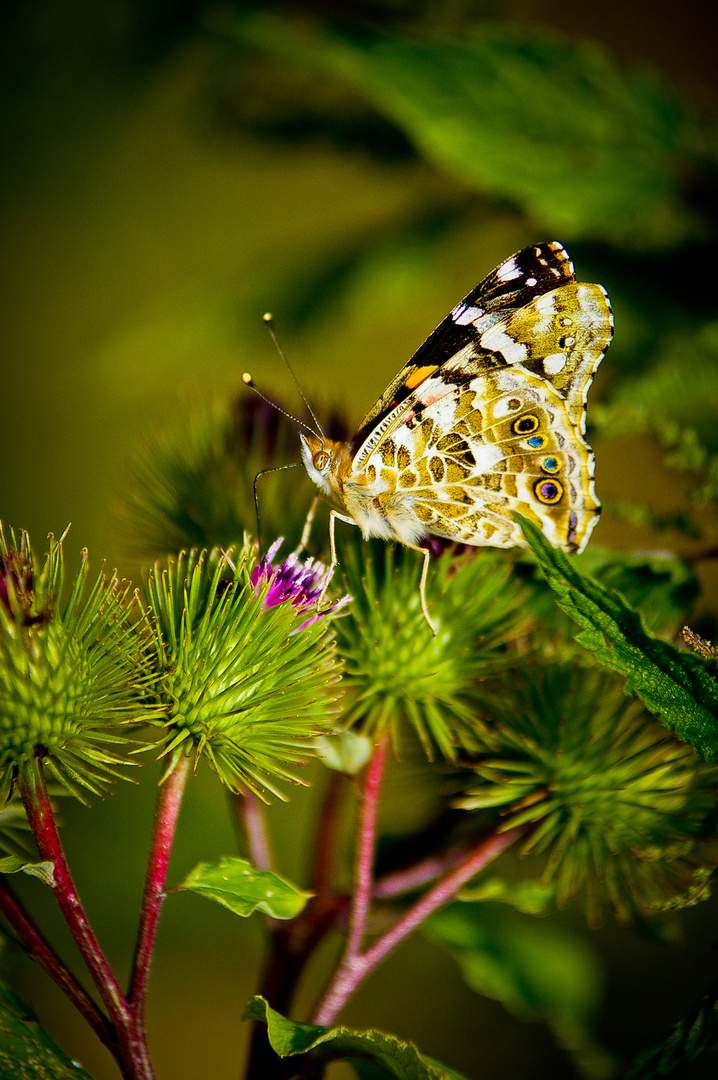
[[516, 282]]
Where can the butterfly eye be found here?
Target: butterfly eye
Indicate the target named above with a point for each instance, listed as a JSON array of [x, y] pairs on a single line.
[[536, 441], [321, 461], [525, 424], [548, 491]]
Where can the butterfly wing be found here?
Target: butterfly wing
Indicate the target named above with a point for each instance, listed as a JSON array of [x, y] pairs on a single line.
[[560, 336], [501, 442], [528, 274], [488, 416]]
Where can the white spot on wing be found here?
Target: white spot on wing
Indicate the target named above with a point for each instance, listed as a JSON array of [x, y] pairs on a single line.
[[502, 408], [465, 314], [513, 352], [554, 363], [486, 456], [545, 304], [509, 271]]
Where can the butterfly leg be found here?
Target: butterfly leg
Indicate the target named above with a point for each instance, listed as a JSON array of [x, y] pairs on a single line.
[[304, 539], [333, 515], [422, 585]]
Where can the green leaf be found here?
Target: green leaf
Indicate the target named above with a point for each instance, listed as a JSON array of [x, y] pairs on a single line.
[[555, 125], [679, 687], [693, 1037], [237, 885], [371, 1053], [346, 752], [43, 870], [536, 972], [26, 1050], [662, 586]]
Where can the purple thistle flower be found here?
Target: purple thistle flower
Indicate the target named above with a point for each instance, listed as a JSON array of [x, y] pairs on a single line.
[[293, 581]]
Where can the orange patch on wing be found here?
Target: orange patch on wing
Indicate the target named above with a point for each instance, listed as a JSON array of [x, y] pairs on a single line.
[[417, 377]]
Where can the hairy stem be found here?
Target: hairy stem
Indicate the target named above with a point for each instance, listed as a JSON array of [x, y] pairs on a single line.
[[411, 877], [351, 961], [444, 891], [366, 845], [47, 838], [169, 801], [350, 975], [131, 1050]]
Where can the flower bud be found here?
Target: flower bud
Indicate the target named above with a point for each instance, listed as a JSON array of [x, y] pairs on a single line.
[[246, 672], [71, 671]]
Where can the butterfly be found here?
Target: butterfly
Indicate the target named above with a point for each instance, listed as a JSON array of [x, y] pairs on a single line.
[[487, 418]]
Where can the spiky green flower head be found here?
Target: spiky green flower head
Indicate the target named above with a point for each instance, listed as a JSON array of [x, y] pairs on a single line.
[[191, 485], [71, 670], [247, 663], [619, 810], [396, 671]]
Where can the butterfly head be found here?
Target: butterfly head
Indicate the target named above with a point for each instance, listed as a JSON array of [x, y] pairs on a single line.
[[322, 458]]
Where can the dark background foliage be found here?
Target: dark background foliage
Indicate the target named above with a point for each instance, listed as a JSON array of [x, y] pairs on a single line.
[[169, 171]]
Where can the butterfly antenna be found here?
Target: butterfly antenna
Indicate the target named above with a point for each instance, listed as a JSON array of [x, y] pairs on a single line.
[[268, 319], [248, 381]]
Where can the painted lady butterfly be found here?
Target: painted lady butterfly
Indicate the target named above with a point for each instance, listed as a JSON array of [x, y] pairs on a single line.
[[487, 418]]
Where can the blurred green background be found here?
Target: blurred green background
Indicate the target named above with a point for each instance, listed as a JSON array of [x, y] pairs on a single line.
[[169, 172]]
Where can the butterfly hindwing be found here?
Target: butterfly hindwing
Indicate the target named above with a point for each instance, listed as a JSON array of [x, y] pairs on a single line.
[[498, 443]]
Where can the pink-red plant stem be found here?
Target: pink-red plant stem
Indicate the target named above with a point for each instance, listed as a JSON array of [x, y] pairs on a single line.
[[131, 1054], [444, 891], [253, 826], [47, 838], [363, 873], [354, 969], [169, 801], [42, 952], [411, 877]]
